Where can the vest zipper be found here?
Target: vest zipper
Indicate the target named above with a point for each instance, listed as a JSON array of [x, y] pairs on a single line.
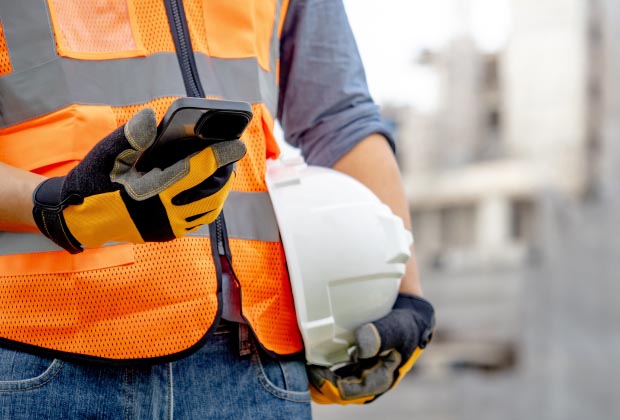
[[183, 46], [191, 79]]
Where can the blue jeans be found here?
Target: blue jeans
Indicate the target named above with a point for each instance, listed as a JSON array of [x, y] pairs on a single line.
[[214, 383]]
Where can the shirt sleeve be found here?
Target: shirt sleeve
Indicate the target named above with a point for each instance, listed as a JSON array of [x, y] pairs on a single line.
[[324, 106]]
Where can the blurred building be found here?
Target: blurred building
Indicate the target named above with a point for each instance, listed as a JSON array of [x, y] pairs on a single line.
[[509, 185], [513, 183]]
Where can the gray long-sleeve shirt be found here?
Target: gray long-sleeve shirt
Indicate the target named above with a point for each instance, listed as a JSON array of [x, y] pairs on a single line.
[[325, 107]]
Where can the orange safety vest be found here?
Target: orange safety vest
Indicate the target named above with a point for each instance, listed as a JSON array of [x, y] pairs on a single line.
[[71, 73]]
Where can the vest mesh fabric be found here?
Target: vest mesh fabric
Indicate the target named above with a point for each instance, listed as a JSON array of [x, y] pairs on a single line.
[[5, 60], [103, 312]]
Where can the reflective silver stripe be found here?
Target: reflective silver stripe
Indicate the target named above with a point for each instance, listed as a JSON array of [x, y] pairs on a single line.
[[238, 80], [31, 43], [275, 40], [42, 82], [248, 216], [23, 243], [251, 216], [62, 82]]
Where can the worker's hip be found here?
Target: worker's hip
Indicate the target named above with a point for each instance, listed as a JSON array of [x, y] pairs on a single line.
[[226, 378]]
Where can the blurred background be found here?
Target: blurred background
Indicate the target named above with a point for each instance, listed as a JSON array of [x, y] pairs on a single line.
[[507, 114]]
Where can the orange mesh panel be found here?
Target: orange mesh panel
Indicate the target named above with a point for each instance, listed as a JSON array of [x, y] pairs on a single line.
[[159, 105], [102, 30], [195, 15], [251, 169], [153, 26], [237, 29], [161, 304], [271, 144], [267, 301], [5, 60]]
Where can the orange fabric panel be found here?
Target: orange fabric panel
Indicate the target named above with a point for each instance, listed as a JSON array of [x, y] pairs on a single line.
[[152, 24], [83, 31], [253, 21], [104, 30], [196, 21], [160, 303], [70, 132], [271, 144], [283, 12], [5, 59], [159, 105], [63, 262], [251, 169], [267, 300]]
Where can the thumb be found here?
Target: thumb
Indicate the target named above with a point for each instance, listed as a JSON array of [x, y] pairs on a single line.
[[141, 129], [368, 341], [390, 332]]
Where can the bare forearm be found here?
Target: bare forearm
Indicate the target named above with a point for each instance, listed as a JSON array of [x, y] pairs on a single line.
[[16, 187], [373, 164]]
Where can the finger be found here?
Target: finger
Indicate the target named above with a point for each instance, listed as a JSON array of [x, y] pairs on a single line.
[[324, 388], [368, 341], [189, 217], [357, 387], [173, 180], [141, 129], [372, 381], [397, 329], [190, 174], [227, 152], [318, 375], [206, 188]]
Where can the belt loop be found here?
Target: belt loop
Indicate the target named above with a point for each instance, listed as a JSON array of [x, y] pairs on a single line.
[[245, 345]]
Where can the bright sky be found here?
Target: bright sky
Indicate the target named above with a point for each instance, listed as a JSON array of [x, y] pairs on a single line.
[[390, 33]]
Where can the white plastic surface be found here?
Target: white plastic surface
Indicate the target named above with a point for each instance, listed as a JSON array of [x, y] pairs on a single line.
[[346, 254]]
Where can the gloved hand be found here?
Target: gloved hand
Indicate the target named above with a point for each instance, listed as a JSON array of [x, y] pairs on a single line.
[[104, 198], [385, 351]]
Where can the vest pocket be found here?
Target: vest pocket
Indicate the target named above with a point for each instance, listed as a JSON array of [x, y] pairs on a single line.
[[253, 21], [105, 31], [70, 132], [59, 262]]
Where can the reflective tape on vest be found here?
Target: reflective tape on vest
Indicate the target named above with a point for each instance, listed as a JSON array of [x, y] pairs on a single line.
[[43, 82], [248, 216]]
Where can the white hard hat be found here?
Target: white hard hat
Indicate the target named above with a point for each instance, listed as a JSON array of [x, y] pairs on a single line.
[[345, 250]]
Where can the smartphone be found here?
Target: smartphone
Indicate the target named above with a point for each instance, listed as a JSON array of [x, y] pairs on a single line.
[[192, 124]]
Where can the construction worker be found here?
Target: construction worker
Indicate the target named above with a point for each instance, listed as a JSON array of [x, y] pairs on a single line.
[[129, 295]]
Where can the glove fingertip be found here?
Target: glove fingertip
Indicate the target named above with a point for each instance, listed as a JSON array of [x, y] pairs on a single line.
[[141, 129], [228, 152], [318, 375], [368, 341]]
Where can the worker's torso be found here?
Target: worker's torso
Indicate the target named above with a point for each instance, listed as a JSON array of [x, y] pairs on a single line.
[[69, 74]]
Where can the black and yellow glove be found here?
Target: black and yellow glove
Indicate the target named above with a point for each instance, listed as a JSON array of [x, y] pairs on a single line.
[[385, 351], [104, 198]]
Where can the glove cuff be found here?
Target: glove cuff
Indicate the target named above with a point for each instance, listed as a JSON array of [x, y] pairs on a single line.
[[425, 310], [47, 213]]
